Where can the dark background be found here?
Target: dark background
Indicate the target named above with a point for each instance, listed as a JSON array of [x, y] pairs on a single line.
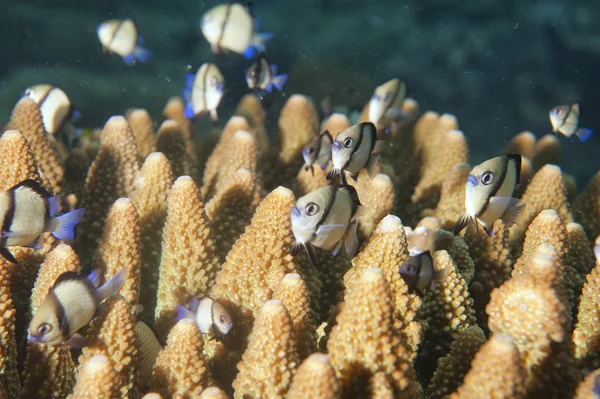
[[499, 66]]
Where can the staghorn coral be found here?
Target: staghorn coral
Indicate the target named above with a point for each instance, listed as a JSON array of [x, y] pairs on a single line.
[[335, 124], [97, 379], [269, 363], [315, 378], [523, 143], [298, 123], [17, 158], [10, 385], [251, 108], [175, 109], [377, 196], [241, 154], [586, 208], [213, 393], [547, 151], [365, 341], [307, 181], [180, 370], [452, 196], [189, 264], [143, 130], [173, 143]]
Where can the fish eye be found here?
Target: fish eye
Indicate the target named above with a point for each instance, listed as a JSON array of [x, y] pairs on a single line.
[[348, 142], [28, 92], [487, 178], [311, 209], [44, 329], [222, 319], [310, 150]]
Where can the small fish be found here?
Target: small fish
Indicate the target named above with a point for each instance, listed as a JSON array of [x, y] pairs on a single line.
[[386, 102], [423, 239], [325, 218], [354, 149], [262, 76], [233, 27], [27, 211], [71, 303], [203, 92], [57, 111], [318, 151], [565, 120], [210, 316], [488, 196], [419, 274], [121, 37]]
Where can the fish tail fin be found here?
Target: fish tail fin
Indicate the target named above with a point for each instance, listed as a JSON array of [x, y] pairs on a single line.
[[351, 240], [584, 134], [7, 255], [279, 81], [372, 165], [274, 69], [512, 212], [269, 87], [141, 54], [64, 226], [189, 111], [54, 205], [75, 116], [183, 313], [112, 285], [464, 221], [257, 45]]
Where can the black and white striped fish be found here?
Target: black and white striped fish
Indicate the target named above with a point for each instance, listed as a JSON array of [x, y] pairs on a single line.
[[121, 37], [203, 92], [209, 315], [262, 76], [565, 120], [27, 211], [386, 102]]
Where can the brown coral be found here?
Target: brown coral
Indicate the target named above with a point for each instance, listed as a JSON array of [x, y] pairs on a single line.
[[315, 378], [298, 124], [143, 130], [586, 208], [17, 160], [97, 379]]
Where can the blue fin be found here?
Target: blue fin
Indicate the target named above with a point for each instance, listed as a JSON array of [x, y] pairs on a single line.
[[129, 59], [54, 205], [183, 313], [65, 224], [140, 39], [250, 52], [279, 82], [112, 285], [75, 116], [256, 24], [194, 302], [189, 81], [269, 87], [584, 134], [274, 69], [94, 277], [141, 54], [188, 111]]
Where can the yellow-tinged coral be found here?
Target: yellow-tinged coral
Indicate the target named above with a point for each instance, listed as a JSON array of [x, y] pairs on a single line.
[[180, 371], [143, 130], [213, 393], [428, 131], [17, 160], [241, 154], [586, 208], [49, 369], [271, 359], [335, 124], [120, 247], [173, 143], [150, 198], [293, 293], [387, 249], [496, 372], [588, 388], [452, 196], [27, 119], [308, 181], [97, 379], [453, 367], [112, 334], [377, 196], [298, 124], [10, 385], [547, 151], [315, 379], [189, 262], [365, 341], [251, 108], [175, 109], [523, 143]]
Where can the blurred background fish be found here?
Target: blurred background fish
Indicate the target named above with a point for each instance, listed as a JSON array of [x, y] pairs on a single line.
[[385, 105], [210, 316], [233, 27], [262, 76], [27, 211], [318, 151], [565, 120], [203, 92], [419, 274], [121, 37]]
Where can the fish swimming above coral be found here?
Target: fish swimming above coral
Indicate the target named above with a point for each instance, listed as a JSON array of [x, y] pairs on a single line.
[[57, 110], [318, 151], [233, 27], [326, 218], [27, 211], [489, 191], [72, 302], [565, 120], [203, 92], [209, 315], [121, 37], [262, 76], [418, 272], [386, 102], [354, 149]]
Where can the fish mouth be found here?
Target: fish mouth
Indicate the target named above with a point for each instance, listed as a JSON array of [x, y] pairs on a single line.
[[33, 338], [228, 327], [295, 212], [472, 180], [336, 145]]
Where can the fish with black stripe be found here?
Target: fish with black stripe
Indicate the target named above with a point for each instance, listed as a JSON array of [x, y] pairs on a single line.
[[121, 37], [354, 149], [209, 315], [203, 92], [386, 103], [27, 211], [326, 218], [72, 302], [565, 120], [262, 76], [489, 191], [318, 151]]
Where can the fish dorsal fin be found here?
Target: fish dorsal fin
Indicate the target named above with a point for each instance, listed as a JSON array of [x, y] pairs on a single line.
[[54, 205], [378, 147], [34, 186], [351, 240], [194, 302], [68, 276]]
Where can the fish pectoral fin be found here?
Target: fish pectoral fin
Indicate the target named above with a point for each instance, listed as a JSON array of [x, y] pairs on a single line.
[[351, 240], [327, 228], [76, 341], [372, 165], [336, 249], [7, 255], [112, 285], [464, 221], [12, 234], [512, 211]]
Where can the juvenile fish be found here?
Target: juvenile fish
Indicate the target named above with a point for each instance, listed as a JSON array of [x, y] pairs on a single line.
[[489, 191], [210, 316], [203, 92], [262, 76], [121, 37], [419, 274], [71, 303], [233, 27], [27, 211], [318, 151], [386, 102], [565, 120], [57, 111], [325, 218], [354, 149]]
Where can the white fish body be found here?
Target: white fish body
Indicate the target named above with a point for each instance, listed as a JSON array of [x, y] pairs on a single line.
[[209, 315], [55, 106], [565, 120], [121, 37], [204, 91]]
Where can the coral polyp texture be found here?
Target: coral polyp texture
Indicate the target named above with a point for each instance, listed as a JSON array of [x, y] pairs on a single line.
[[207, 214]]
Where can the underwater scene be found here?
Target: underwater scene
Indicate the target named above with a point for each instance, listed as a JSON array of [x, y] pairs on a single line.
[[299, 199]]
